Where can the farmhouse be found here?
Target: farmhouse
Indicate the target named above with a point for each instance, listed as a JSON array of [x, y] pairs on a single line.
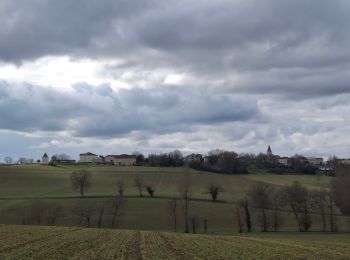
[[45, 159], [193, 158], [314, 161], [122, 159], [89, 158], [283, 161]]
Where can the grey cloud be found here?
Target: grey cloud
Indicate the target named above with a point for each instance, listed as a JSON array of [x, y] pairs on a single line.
[[210, 40], [100, 111]]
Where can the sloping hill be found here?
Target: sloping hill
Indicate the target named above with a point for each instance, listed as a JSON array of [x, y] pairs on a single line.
[[34, 242]]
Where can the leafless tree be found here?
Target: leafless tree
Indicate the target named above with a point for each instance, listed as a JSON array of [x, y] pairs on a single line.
[[118, 204], [172, 208], [277, 203], [259, 196], [52, 212], [185, 191], [340, 188], [214, 191], [330, 204], [150, 190], [205, 225], [244, 203], [100, 211], [300, 201], [194, 220], [320, 203], [120, 185], [85, 211], [238, 216], [139, 184], [81, 180], [8, 160]]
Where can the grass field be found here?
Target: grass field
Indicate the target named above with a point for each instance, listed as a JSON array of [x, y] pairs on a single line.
[[31, 242], [22, 185], [40, 181]]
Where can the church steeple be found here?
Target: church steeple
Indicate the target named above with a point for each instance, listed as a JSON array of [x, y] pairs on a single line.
[[269, 151]]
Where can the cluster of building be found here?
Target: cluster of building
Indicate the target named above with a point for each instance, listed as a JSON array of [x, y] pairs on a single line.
[[121, 159], [286, 161], [126, 159]]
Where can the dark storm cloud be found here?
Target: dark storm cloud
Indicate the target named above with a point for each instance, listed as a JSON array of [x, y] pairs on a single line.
[[210, 40], [100, 111]]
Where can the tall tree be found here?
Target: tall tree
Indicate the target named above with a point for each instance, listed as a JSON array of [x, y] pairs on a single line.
[[259, 196], [244, 203], [172, 208], [81, 180], [300, 200], [185, 190]]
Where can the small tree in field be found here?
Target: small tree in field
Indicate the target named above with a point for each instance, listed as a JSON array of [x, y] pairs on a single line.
[[150, 190], [81, 180], [120, 188], [139, 184], [214, 191]]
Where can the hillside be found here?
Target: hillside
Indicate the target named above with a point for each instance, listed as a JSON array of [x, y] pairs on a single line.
[[22, 242], [22, 186]]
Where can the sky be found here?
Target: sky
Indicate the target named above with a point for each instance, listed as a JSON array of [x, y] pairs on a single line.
[[117, 76]]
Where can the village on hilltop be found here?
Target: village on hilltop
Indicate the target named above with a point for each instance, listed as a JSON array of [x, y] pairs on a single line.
[[195, 159]]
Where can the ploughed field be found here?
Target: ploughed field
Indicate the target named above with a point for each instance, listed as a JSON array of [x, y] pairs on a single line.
[[34, 242]]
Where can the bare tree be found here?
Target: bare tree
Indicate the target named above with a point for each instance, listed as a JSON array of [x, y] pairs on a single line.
[[340, 188], [100, 211], [214, 191], [320, 203], [85, 211], [205, 225], [150, 190], [277, 203], [8, 160], [259, 195], [300, 201], [238, 217], [120, 185], [139, 184], [81, 180], [172, 208], [118, 204], [331, 205], [52, 212], [185, 190], [244, 203], [194, 220]]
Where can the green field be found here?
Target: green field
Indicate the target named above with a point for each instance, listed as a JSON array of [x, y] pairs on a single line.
[[32, 242], [23, 185]]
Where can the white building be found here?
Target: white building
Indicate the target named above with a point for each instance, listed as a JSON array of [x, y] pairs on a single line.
[[45, 159], [283, 161], [122, 159], [314, 161], [89, 158]]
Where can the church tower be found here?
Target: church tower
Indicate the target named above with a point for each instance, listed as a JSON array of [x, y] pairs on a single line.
[[269, 152]]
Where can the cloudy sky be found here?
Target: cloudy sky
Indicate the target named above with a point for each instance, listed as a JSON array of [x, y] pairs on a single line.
[[115, 76]]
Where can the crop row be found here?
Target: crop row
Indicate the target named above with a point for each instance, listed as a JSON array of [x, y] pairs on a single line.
[[18, 242]]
